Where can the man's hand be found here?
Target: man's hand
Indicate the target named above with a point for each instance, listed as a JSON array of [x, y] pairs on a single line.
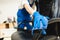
[[40, 22]]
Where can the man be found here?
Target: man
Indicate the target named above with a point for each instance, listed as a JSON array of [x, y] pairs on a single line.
[[23, 18]]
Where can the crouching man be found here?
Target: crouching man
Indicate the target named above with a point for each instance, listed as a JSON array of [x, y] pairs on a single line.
[[23, 18]]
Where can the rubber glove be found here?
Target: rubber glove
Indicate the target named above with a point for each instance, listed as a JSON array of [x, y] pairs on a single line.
[[38, 18], [40, 22]]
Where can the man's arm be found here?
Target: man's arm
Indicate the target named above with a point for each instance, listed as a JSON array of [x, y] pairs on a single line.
[[25, 4], [29, 9]]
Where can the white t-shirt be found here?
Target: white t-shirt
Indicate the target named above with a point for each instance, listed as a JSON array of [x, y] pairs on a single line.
[[22, 2]]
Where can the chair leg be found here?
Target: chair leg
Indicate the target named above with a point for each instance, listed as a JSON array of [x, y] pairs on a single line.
[[37, 34]]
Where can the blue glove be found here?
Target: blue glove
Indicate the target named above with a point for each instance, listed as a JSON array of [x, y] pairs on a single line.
[[43, 32], [40, 22], [39, 19]]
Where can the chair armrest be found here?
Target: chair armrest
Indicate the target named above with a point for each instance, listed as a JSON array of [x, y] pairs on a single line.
[[53, 20]]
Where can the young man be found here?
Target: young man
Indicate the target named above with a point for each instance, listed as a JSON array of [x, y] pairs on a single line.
[[23, 18]]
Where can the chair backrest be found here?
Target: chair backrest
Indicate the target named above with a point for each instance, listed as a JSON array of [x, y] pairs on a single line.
[[45, 7]]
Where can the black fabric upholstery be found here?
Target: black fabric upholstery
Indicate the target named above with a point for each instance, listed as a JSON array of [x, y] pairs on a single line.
[[45, 7]]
